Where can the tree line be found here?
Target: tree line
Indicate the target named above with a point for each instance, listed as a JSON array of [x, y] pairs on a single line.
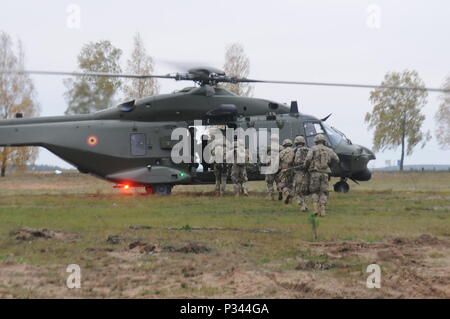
[[396, 116]]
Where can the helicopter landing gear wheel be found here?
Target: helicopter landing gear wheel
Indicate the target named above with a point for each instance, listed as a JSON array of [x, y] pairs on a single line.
[[341, 187], [162, 189]]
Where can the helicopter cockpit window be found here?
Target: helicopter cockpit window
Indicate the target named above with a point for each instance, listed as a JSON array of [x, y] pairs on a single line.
[[335, 136], [138, 143], [311, 130]]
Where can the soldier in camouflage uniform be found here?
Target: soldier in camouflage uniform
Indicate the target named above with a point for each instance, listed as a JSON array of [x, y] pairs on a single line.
[[278, 175], [239, 171], [287, 175], [221, 170], [318, 163], [271, 179], [301, 177]]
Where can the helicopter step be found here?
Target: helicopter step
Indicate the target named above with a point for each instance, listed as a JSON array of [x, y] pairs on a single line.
[[341, 186]]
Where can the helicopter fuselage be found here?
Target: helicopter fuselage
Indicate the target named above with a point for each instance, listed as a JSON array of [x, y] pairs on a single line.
[[132, 143]]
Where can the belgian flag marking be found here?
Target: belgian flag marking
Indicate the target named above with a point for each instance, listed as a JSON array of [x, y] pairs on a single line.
[[92, 140]]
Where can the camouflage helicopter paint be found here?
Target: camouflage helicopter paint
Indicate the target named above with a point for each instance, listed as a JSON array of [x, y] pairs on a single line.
[[131, 144]]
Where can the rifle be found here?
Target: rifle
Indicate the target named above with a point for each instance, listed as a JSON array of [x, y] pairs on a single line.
[[299, 167]]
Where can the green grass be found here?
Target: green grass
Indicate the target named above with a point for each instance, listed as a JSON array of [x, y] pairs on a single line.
[[388, 206], [358, 215]]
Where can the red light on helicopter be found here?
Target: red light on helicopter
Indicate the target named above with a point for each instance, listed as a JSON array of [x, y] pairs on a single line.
[[122, 186]]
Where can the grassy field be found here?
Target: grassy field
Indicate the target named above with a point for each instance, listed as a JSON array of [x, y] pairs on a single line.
[[192, 244]]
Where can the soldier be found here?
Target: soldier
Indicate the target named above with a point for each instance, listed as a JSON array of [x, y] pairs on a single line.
[[318, 163], [301, 177], [271, 179], [239, 171], [220, 170], [286, 163], [278, 175]]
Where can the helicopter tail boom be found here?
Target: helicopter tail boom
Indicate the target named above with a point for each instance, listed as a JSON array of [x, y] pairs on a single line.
[[21, 135]]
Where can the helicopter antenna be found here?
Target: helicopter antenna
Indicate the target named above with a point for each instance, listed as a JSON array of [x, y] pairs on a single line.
[[326, 117]]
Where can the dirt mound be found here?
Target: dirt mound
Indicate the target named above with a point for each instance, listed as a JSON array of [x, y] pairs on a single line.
[[426, 239], [315, 265], [193, 248], [138, 227], [27, 234], [423, 239], [390, 255], [114, 239], [190, 248], [144, 248], [190, 271]]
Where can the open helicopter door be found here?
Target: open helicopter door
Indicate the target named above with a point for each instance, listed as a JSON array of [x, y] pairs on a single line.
[[202, 171], [198, 144], [254, 139]]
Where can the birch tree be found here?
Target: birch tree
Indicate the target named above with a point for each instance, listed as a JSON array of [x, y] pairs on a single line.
[[17, 95], [237, 64], [396, 115], [140, 63]]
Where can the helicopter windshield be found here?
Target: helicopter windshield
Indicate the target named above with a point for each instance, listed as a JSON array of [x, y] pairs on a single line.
[[334, 135]]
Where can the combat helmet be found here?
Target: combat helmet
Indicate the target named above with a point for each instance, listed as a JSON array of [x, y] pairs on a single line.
[[320, 138], [299, 140], [287, 142]]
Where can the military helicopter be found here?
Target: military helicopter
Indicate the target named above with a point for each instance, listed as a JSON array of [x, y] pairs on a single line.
[[130, 145]]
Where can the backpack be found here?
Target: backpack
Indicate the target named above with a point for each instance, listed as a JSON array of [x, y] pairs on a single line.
[[287, 157], [322, 159], [300, 155]]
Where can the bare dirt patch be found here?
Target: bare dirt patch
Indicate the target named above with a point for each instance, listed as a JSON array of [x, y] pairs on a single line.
[[417, 267], [189, 248], [27, 234]]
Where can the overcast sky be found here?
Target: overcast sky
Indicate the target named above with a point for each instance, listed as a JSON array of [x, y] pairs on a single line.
[[331, 41]]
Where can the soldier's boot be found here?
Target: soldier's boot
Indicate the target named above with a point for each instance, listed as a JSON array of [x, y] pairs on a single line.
[[280, 195], [223, 188], [288, 198], [315, 208], [236, 191], [244, 190], [322, 211], [272, 195], [303, 206]]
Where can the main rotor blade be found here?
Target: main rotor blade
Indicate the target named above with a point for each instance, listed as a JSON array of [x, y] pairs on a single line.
[[96, 74], [370, 86]]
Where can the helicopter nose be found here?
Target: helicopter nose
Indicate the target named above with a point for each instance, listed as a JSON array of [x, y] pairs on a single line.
[[367, 152]]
